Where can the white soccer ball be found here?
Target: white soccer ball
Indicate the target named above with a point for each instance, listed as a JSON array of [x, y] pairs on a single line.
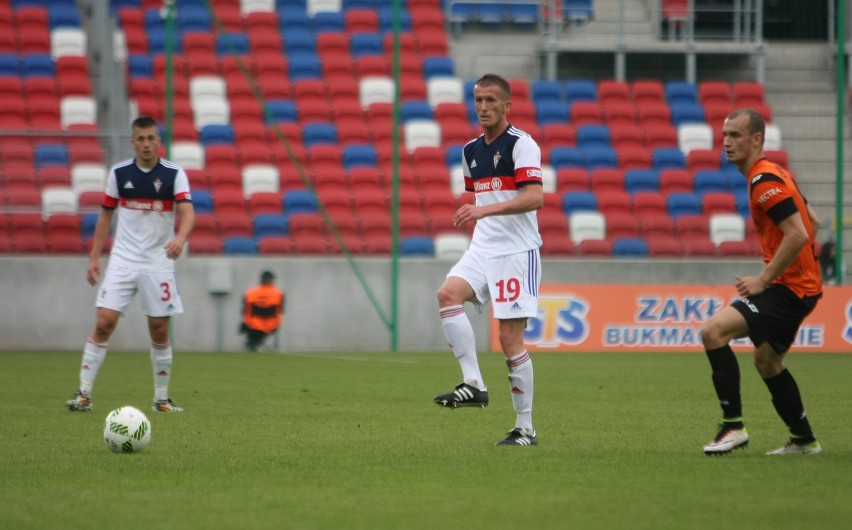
[[127, 430]]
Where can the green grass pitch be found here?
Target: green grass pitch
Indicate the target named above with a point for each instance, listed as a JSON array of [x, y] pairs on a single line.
[[352, 440]]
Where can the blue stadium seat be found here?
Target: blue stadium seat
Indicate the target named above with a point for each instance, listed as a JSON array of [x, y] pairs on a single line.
[[157, 41], [551, 112], [38, 65], [629, 247], [561, 157], [138, 66], [437, 66], [319, 133], [415, 110], [667, 157], [299, 42], [462, 13], [239, 245], [293, 18], [269, 224], [202, 201], [305, 66], [299, 201], [365, 44], [329, 21], [215, 134], [358, 156], [51, 155], [232, 44], [10, 65], [153, 20], [579, 201], [386, 22], [683, 203], [578, 11], [636, 180], [708, 180], [681, 92], [580, 90], [523, 16], [192, 18], [491, 14], [598, 156], [63, 16], [593, 136], [454, 155], [545, 90], [417, 246], [687, 113], [281, 110], [88, 222]]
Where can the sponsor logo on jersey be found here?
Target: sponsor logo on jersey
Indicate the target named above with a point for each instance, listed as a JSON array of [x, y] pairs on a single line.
[[496, 184], [515, 307], [534, 173], [128, 185], [151, 205], [473, 164], [768, 195]]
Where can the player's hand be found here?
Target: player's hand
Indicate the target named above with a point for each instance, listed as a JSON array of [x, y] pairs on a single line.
[[93, 274], [468, 212], [174, 248], [750, 285]]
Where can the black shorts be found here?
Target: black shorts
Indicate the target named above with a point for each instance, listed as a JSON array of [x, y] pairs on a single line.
[[774, 316]]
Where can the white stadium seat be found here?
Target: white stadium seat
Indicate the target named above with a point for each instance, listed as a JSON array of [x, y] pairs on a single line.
[[586, 225]]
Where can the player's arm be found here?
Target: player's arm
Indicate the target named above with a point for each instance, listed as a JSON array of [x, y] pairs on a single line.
[[794, 240], [815, 222], [187, 221], [99, 239]]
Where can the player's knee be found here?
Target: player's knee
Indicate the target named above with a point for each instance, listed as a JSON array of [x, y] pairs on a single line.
[[711, 336], [448, 297]]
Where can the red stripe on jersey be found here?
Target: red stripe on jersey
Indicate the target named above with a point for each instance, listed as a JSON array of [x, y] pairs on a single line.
[[524, 175], [151, 205], [110, 202], [183, 197]]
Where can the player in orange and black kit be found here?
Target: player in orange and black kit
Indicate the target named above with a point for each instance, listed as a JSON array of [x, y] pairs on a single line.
[[263, 311], [774, 303]]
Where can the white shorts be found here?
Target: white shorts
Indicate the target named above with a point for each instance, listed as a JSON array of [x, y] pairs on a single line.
[[510, 282], [158, 291]]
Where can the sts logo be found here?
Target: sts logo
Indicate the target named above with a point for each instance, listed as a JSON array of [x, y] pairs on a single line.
[[560, 321]]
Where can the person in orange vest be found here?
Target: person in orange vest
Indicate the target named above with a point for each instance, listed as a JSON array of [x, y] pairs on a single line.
[[263, 311]]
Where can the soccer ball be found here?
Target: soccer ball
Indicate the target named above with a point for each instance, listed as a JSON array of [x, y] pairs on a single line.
[[127, 430]]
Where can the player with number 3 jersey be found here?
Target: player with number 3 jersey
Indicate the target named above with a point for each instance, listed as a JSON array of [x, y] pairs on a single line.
[[147, 192]]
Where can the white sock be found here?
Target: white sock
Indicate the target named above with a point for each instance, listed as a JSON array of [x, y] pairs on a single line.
[[459, 334], [521, 382], [93, 357], [161, 360]]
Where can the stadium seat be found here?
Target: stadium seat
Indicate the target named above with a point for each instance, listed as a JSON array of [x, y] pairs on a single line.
[[691, 226], [67, 42], [451, 246], [698, 247], [417, 246], [683, 113], [664, 247], [726, 227], [590, 248], [299, 201], [621, 225], [58, 200], [648, 203], [739, 249], [638, 180], [562, 157], [667, 157], [266, 225], [705, 181], [629, 248], [585, 225], [679, 204], [600, 157], [421, 133], [242, 245], [580, 90], [691, 136]]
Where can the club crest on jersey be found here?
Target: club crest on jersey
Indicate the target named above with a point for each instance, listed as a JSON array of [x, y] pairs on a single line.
[[497, 157], [158, 184]]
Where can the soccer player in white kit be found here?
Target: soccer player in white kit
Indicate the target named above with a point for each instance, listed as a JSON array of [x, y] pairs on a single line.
[[147, 191], [503, 168]]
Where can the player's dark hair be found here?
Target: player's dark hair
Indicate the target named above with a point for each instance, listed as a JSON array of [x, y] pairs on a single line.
[[143, 122], [500, 81]]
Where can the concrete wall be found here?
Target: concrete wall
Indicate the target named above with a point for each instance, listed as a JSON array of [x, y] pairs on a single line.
[[48, 305]]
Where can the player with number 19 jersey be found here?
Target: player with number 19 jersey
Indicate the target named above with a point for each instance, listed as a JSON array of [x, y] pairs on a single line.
[[147, 201], [495, 172]]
